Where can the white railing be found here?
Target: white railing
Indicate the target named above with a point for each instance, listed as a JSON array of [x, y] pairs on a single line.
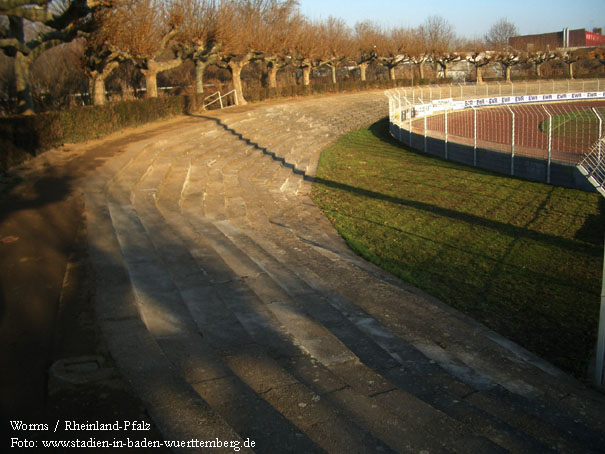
[[531, 123], [219, 98], [592, 166]]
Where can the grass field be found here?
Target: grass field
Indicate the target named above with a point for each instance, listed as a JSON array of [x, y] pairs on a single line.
[[524, 258], [575, 124]]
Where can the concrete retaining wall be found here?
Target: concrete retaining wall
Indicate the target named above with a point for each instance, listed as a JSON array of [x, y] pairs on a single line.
[[534, 169]]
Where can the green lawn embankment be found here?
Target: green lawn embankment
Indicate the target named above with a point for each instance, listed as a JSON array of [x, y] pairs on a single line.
[[524, 258]]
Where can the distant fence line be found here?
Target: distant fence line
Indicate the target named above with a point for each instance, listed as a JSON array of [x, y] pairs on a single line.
[[526, 129]]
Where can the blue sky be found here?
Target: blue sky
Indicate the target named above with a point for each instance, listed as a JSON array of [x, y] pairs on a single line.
[[471, 18]]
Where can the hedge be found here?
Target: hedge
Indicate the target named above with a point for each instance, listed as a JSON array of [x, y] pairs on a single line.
[[23, 137]]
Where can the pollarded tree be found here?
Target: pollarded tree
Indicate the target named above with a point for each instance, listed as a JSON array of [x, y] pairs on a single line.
[[418, 50], [51, 22], [598, 54], [438, 39], [394, 49], [508, 59], [281, 23], [242, 36], [318, 44], [539, 57], [479, 58], [569, 57], [101, 57], [366, 36], [335, 42], [445, 59], [142, 30], [101, 62], [198, 34], [307, 49]]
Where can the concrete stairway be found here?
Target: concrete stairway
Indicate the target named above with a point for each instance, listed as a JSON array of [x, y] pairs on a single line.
[[236, 311]]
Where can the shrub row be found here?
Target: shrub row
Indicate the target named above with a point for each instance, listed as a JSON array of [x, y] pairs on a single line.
[[25, 136], [22, 137]]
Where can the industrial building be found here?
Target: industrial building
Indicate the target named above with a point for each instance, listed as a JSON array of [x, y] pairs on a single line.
[[563, 39]]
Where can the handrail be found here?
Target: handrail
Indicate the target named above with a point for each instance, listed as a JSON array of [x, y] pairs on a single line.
[[219, 99]]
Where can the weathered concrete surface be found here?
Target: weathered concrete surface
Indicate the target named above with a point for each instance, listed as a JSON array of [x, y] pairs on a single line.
[[236, 311]]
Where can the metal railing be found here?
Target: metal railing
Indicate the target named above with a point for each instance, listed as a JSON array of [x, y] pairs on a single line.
[[219, 98], [526, 122], [592, 166], [429, 93]]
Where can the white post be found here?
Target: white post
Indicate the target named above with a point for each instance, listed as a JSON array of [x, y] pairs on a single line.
[[512, 147], [596, 112], [475, 137], [400, 121], [599, 365], [446, 134], [549, 143], [410, 126], [425, 147]]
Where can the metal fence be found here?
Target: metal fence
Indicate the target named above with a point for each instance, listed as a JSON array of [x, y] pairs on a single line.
[[512, 128]]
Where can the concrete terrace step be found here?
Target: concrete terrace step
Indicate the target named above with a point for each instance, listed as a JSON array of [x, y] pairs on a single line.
[[230, 287]]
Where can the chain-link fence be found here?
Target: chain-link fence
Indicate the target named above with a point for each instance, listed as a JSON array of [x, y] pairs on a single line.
[[527, 129]]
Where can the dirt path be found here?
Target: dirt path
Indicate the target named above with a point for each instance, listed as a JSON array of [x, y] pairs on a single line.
[[43, 318]]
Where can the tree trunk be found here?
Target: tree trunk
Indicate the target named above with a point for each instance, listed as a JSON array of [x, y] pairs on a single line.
[[508, 68], [306, 75], [333, 74], [479, 74], [199, 76], [152, 71], [151, 83], [570, 70], [272, 74], [201, 63], [538, 69], [421, 69], [98, 89], [446, 70], [235, 67], [362, 69], [24, 95], [392, 73]]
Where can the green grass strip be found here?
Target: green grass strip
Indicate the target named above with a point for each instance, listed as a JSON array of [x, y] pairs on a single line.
[[523, 258], [574, 124]]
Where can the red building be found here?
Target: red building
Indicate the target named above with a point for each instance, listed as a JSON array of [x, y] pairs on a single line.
[[563, 39]]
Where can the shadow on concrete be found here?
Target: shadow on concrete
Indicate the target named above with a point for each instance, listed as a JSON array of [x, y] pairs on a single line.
[[378, 129], [253, 414]]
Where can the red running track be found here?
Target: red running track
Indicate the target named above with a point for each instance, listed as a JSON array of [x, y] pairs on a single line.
[[495, 129]]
